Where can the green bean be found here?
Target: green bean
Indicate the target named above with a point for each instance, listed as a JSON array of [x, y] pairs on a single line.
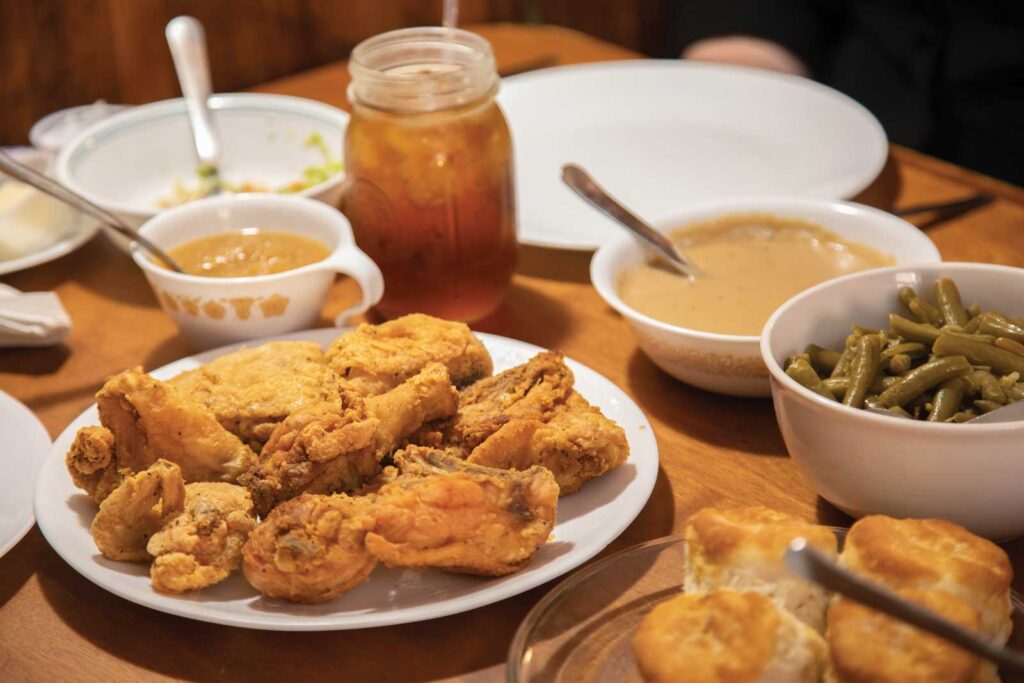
[[974, 310], [1015, 392], [962, 416], [797, 356], [822, 360], [947, 400], [919, 308], [908, 329], [986, 406], [863, 369], [978, 352], [1011, 345], [1000, 327], [838, 385], [900, 411], [923, 378], [803, 373], [900, 363], [912, 349], [843, 364], [973, 325], [947, 297], [988, 386]]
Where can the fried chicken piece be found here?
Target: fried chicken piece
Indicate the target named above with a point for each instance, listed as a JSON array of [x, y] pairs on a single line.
[[89, 462], [577, 443], [309, 549], [252, 390], [461, 518], [136, 510], [533, 390], [202, 545], [337, 447], [150, 420], [375, 358]]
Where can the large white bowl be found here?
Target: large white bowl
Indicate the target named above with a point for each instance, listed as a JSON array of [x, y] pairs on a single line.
[[130, 161], [865, 463], [729, 363]]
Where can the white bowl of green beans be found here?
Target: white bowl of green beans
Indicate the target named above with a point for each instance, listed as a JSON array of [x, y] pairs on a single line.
[[900, 359]]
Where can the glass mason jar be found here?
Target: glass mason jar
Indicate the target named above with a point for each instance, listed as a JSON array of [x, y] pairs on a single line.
[[428, 154]]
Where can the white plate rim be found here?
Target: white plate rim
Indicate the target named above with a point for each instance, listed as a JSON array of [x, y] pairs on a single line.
[[633, 499], [29, 423], [879, 141]]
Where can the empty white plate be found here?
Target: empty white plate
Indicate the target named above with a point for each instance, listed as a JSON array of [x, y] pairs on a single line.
[[661, 133], [587, 522], [25, 446]]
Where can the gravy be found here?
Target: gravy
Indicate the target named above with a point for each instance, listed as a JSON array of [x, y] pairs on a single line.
[[247, 253], [752, 264]]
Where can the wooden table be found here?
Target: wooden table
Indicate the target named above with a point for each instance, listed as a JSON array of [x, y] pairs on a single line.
[[54, 624]]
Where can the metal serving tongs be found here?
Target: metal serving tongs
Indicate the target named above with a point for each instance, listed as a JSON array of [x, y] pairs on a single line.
[[73, 199], [814, 566], [650, 239]]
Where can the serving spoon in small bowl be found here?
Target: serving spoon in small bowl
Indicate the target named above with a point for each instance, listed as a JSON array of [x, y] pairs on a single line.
[[652, 241], [59, 191]]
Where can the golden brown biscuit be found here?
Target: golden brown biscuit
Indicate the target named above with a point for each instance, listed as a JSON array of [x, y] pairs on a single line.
[[932, 554], [742, 549], [869, 647], [726, 637]]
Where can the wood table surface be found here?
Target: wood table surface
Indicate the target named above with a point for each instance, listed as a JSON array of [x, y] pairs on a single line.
[[56, 625]]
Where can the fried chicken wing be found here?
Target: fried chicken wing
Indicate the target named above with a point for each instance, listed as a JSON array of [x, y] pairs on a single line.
[[90, 462], [309, 549], [202, 545], [577, 443], [150, 420], [375, 358], [252, 390], [531, 415], [462, 518], [337, 447], [136, 510]]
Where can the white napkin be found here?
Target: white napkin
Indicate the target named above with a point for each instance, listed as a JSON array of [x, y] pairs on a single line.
[[31, 319]]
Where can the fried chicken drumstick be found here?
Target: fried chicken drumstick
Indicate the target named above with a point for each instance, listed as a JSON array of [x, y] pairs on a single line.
[[309, 549], [337, 447], [445, 514], [202, 545]]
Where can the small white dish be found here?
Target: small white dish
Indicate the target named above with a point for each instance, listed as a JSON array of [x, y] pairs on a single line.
[[728, 363], [587, 522], [131, 161], [35, 228], [690, 131], [216, 311], [26, 444], [864, 463]]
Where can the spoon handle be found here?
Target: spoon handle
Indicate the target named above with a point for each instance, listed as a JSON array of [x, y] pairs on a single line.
[[57, 191], [187, 41], [810, 564], [586, 187]]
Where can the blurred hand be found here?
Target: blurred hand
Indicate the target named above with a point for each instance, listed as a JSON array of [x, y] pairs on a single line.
[[747, 51]]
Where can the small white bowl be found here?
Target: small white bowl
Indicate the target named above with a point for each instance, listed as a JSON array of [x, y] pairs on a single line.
[[216, 311], [728, 363], [864, 463], [129, 162]]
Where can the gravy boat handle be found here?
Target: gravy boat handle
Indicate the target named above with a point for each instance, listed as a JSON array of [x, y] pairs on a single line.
[[352, 261]]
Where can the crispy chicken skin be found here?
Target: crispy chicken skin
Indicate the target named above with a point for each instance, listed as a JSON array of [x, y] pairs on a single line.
[[337, 447], [577, 444], [136, 510], [252, 390], [150, 420], [90, 462], [375, 358], [309, 549], [462, 518], [202, 545], [530, 415]]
